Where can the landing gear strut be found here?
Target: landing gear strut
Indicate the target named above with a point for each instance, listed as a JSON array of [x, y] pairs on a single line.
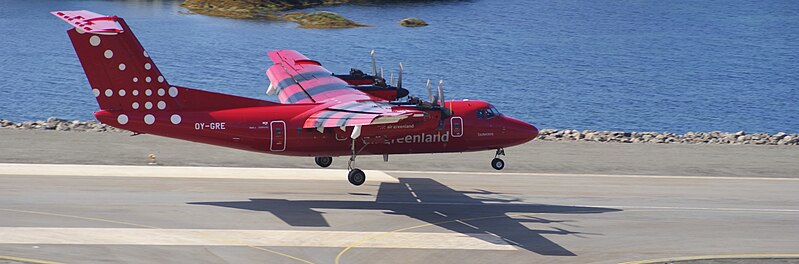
[[355, 176], [497, 163], [323, 162]]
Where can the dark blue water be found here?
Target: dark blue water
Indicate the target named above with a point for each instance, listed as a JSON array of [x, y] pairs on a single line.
[[608, 65]]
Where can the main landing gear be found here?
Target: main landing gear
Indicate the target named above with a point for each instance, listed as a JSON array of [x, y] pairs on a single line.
[[323, 162], [498, 163], [355, 176]]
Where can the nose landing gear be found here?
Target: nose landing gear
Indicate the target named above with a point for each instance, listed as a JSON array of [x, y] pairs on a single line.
[[497, 163], [323, 162]]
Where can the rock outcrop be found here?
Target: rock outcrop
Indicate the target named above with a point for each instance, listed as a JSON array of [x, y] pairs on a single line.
[[58, 124], [266, 9], [412, 22], [321, 19], [715, 137]]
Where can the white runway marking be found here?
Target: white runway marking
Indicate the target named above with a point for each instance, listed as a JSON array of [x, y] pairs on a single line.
[[185, 172], [598, 175], [217, 237]]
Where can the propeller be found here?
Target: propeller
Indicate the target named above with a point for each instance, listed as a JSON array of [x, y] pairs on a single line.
[[441, 92], [391, 78], [381, 73], [429, 92], [374, 66], [399, 79], [446, 112]]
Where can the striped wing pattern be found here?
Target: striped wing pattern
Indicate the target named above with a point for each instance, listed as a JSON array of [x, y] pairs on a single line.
[[358, 113], [297, 79]]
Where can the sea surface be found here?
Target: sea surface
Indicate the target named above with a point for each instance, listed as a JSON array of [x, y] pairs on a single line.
[[632, 65]]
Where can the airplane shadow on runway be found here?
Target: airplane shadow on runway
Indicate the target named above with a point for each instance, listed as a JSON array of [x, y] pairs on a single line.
[[485, 219]]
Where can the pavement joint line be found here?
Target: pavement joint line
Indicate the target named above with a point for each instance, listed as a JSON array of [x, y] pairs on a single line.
[[697, 208], [130, 224], [359, 242], [708, 257], [774, 210], [585, 175], [35, 261], [439, 213]]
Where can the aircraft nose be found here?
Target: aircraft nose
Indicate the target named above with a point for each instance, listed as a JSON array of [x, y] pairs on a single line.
[[521, 130]]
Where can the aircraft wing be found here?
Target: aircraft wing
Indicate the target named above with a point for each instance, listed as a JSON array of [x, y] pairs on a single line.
[[297, 79], [359, 113]]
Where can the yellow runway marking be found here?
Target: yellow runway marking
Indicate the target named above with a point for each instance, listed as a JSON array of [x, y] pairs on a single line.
[[35, 261], [357, 243], [740, 256], [124, 223]]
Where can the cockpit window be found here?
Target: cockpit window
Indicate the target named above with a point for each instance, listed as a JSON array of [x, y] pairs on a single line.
[[492, 112], [489, 112]]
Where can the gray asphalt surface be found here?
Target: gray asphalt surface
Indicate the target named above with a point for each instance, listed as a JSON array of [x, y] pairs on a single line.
[[556, 202]]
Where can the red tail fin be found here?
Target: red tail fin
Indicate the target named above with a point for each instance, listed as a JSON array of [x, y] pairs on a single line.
[[124, 78]]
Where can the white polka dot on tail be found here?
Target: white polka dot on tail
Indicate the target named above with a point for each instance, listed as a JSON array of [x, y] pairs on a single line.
[[173, 91], [175, 119], [108, 54], [108, 93], [122, 67], [135, 105], [147, 66], [122, 92], [96, 92], [149, 119], [148, 105], [161, 92], [161, 105], [160, 79], [94, 40], [122, 119], [148, 79]]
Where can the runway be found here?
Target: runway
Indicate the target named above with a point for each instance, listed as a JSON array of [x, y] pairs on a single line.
[[164, 214]]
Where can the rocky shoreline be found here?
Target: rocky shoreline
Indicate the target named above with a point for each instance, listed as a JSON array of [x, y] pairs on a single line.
[[715, 137]]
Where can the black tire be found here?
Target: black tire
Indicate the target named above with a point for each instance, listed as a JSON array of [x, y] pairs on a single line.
[[323, 162], [356, 177], [497, 164]]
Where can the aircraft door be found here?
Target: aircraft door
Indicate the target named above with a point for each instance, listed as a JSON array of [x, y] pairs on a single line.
[[456, 126], [278, 138]]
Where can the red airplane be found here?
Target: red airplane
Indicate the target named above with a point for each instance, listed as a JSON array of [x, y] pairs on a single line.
[[320, 114]]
